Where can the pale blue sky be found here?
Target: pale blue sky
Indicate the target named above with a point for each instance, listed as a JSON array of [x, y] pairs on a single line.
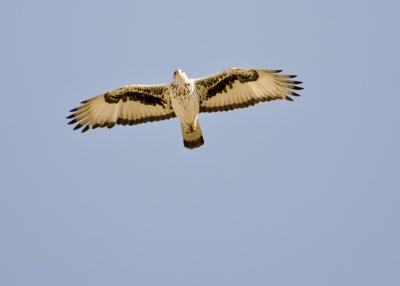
[[284, 193]]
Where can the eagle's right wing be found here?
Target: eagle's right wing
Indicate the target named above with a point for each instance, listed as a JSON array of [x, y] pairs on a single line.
[[239, 88], [133, 104]]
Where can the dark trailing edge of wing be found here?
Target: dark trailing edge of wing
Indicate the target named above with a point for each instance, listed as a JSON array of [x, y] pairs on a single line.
[[121, 121], [245, 104]]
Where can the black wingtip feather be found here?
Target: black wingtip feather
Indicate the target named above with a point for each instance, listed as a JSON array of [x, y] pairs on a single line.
[[294, 94], [70, 116], [73, 110], [86, 128], [297, 87], [72, 121], [78, 126], [288, 98]]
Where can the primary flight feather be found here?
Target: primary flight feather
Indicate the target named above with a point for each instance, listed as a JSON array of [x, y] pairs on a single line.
[[184, 98]]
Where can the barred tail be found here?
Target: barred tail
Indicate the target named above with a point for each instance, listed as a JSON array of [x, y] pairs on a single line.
[[192, 136]]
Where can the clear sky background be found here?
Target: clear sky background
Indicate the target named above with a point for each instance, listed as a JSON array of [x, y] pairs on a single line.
[[284, 193]]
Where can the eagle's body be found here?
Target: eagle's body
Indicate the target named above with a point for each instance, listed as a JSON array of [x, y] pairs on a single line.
[[185, 103], [184, 98]]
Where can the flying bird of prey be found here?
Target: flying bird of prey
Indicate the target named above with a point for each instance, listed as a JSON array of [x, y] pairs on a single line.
[[184, 98]]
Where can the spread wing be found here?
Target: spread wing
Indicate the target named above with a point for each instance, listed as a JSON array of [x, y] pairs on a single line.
[[128, 105], [239, 88]]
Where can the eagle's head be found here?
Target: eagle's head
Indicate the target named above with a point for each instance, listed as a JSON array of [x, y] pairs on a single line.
[[180, 76]]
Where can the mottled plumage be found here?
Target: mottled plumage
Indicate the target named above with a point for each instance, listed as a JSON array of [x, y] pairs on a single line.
[[184, 98]]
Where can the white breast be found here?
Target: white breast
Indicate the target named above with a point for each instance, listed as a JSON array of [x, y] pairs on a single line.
[[184, 101]]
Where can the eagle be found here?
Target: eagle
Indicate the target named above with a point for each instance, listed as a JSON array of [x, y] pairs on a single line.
[[184, 98]]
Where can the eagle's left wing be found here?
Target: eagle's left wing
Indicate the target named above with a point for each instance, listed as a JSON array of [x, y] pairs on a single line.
[[128, 105], [239, 88]]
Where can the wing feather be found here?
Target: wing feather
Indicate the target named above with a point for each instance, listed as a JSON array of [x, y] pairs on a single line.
[[239, 88], [128, 105]]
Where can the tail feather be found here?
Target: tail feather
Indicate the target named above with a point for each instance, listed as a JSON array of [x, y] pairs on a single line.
[[192, 136]]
